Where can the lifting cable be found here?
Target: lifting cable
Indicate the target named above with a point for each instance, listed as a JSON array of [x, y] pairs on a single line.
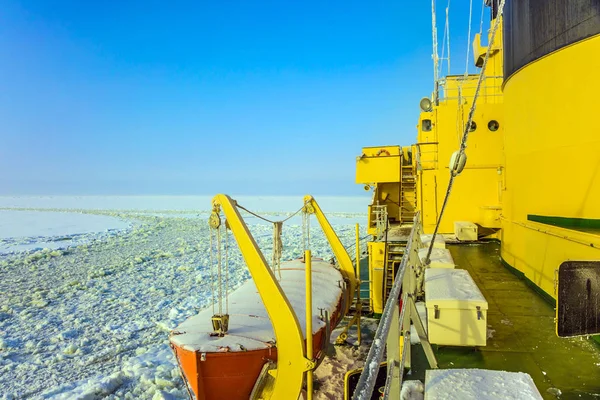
[[219, 270], [226, 270], [218, 276], [212, 274], [463, 144]]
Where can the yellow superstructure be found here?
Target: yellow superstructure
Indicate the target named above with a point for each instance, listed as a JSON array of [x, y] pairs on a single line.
[[477, 195], [532, 173]]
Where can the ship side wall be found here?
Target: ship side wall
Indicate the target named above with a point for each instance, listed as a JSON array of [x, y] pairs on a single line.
[[551, 203]]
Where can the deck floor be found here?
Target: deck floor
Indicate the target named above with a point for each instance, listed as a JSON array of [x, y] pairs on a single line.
[[522, 329]]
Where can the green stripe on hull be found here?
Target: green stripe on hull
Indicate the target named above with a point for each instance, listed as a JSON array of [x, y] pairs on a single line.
[[566, 222]]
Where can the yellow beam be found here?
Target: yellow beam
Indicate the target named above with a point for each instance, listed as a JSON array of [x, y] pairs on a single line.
[[342, 257], [358, 303], [309, 336], [291, 363]]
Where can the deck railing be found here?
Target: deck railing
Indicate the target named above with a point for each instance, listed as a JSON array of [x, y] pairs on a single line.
[[393, 332]]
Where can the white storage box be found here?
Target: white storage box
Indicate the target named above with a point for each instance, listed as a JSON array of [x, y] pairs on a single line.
[[439, 243], [465, 231], [480, 384], [439, 258], [456, 309]]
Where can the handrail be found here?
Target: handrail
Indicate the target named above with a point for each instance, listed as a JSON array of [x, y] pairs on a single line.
[[366, 382], [393, 332]]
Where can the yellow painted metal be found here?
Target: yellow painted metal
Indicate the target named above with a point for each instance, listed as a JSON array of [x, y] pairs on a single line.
[[309, 336], [291, 363], [397, 191], [378, 164], [358, 301], [376, 266], [341, 339], [343, 259], [552, 161], [394, 352], [477, 194]]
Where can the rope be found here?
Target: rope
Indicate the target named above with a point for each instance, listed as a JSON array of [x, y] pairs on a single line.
[[268, 220], [226, 271], [212, 274], [277, 231], [277, 247], [219, 271], [463, 144]]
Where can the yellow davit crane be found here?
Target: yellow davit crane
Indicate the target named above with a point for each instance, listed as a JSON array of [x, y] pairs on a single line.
[[284, 378]]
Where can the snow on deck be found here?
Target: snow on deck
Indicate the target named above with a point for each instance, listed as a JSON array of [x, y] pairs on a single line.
[[249, 325], [437, 257], [439, 241], [479, 384], [451, 284]]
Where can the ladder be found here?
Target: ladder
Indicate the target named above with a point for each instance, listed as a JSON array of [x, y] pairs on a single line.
[[408, 196], [395, 251]]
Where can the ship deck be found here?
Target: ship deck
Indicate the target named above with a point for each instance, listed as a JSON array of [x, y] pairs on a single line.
[[523, 338]]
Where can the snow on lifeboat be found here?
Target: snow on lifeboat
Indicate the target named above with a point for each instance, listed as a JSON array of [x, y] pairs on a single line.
[[258, 348]]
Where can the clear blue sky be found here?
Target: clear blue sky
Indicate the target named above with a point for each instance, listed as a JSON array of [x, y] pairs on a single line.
[[246, 97]]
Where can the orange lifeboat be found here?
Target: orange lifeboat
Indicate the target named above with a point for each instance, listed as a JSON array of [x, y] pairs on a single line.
[[228, 366]]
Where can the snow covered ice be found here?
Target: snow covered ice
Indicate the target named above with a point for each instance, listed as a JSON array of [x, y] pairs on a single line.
[[88, 316]]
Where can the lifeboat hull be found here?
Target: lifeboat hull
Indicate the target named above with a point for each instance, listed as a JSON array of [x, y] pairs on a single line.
[[228, 367]]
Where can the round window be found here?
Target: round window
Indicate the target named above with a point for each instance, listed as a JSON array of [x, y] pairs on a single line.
[[493, 125]]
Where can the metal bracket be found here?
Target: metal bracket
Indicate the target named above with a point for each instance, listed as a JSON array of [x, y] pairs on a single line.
[[479, 313], [309, 365], [436, 313]]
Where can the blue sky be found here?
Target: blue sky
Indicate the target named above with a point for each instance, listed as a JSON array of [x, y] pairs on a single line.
[[245, 97]]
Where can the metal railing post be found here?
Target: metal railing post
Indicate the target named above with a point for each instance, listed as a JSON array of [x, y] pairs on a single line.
[[309, 336], [366, 382]]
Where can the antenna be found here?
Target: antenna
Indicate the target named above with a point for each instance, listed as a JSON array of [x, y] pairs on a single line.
[[435, 53], [448, 34]]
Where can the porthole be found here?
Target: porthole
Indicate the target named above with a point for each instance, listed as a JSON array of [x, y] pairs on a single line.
[[473, 126], [493, 125], [426, 125]]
